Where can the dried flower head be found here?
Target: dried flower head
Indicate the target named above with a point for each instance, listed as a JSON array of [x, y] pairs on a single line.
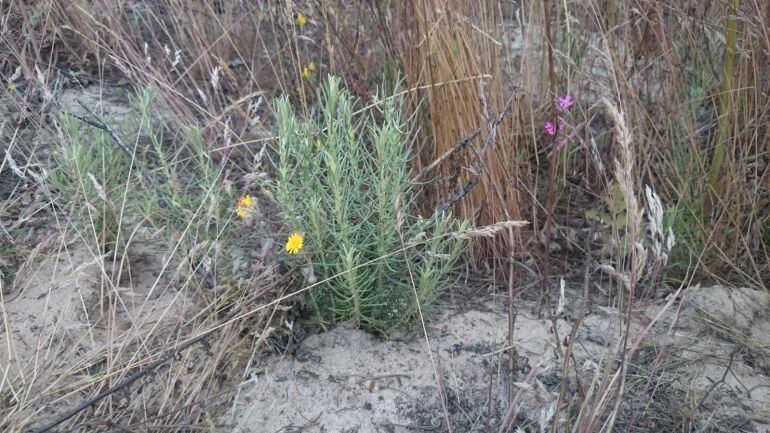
[[215, 77], [245, 206]]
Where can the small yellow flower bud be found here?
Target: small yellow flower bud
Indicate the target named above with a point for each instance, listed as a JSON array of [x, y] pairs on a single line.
[[301, 20]]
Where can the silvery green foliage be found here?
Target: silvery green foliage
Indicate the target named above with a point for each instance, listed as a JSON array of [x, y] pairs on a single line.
[[344, 182]]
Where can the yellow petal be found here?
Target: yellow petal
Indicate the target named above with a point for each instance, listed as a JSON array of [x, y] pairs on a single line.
[[244, 205], [301, 20], [294, 243]]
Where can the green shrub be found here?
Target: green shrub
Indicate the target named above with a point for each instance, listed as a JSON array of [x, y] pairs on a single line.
[[345, 185], [186, 184], [90, 175], [167, 183], [687, 221]]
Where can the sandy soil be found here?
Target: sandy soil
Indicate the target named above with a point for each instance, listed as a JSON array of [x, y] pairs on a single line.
[[716, 344], [346, 380], [53, 319]]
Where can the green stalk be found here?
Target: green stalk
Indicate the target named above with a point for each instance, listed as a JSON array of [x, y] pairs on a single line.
[[724, 99]]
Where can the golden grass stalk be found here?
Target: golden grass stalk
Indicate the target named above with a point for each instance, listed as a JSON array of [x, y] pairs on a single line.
[[447, 41], [725, 97], [490, 231], [637, 255]]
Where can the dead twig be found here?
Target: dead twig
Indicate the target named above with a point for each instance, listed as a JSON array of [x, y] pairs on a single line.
[[461, 143], [510, 414], [720, 381], [462, 192], [568, 356]]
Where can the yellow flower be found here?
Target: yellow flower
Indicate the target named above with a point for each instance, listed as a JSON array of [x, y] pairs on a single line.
[[307, 70], [301, 20], [294, 243], [245, 205], [12, 87]]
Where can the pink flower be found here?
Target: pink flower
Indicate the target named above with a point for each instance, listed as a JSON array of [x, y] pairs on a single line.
[[559, 144], [550, 129], [565, 102]]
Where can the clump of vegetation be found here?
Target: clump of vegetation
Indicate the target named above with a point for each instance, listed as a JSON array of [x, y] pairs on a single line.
[[91, 176], [345, 185], [688, 82], [161, 182]]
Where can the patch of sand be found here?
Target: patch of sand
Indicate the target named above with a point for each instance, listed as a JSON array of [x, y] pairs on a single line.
[[347, 380]]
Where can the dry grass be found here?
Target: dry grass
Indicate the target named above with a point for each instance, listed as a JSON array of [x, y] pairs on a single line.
[[670, 85], [454, 50], [698, 117], [454, 54]]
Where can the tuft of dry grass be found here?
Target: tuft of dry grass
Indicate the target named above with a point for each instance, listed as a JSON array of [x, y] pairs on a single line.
[[453, 51]]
